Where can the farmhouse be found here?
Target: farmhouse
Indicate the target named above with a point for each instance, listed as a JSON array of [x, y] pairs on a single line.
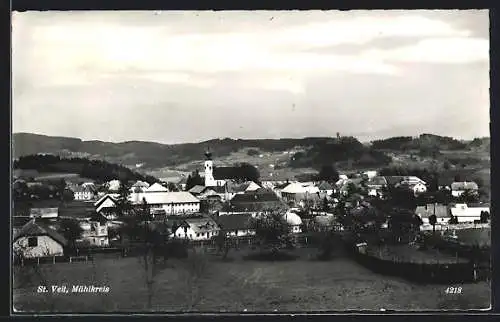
[[325, 188], [458, 188], [375, 186], [468, 213], [36, 240], [174, 203], [203, 228], [106, 205], [83, 192], [95, 231], [236, 225], [442, 213], [260, 200]]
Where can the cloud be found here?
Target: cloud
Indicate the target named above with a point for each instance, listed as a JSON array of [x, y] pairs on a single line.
[[436, 50], [324, 70]]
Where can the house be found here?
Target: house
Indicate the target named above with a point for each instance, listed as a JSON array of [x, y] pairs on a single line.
[[139, 186], [83, 192], [442, 213], [326, 188], [35, 240], [291, 190], [369, 174], [468, 213], [95, 231], [18, 223], [294, 221], [251, 186], [458, 188], [375, 186], [106, 205], [393, 180], [174, 203], [237, 225], [203, 228], [259, 200], [155, 187], [113, 185], [417, 188], [44, 212]]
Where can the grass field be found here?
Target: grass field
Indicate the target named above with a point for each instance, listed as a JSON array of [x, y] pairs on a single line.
[[237, 285], [481, 237]]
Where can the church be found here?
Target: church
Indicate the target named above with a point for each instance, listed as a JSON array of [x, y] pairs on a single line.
[[216, 177]]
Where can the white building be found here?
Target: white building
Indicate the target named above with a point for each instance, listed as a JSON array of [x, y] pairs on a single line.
[[173, 203], [35, 240], [198, 229], [442, 213], [95, 233], [294, 221], [465, 213], [83, 193], [458, 188]]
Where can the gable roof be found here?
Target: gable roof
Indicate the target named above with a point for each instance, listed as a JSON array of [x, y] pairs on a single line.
[[255, 197], [325, 186], [393, 180], [33, 228], [140, 184], [156, 198], [112, 196], [156, 187], [377, 181], [469, 185], [197, 189], [294, 188], [200, 225], [442, 211], [20, 221], [234, 222]]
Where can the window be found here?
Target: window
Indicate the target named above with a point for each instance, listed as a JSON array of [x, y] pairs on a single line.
[[197, 234], [33, 241]]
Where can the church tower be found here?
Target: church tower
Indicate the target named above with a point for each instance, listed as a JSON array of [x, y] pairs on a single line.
[[209, 168]]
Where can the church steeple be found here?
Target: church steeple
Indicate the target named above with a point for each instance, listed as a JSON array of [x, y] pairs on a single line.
[[208, 154]]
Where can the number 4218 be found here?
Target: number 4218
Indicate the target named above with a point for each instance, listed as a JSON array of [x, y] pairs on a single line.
[[453, 290]]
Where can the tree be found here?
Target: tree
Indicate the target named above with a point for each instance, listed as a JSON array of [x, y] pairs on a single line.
[[194, 179], [123, 205], [469, 196], [325, 204], [68, 195], [272, 230], [433, 222], [328, 173], [71, 230], [223, 243], [485, 216]]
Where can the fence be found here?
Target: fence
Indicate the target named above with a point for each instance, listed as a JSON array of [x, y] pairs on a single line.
[[445, 273]]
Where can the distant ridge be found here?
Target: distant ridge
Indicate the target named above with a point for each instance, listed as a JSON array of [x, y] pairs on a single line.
[[155, 155]]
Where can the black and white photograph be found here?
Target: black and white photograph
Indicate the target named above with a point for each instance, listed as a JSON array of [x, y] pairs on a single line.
[[288, 161]]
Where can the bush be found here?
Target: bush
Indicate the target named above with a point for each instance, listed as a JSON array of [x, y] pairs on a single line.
[[271, 256]]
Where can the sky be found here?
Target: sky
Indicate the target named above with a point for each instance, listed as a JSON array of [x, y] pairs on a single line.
[[189, 76]]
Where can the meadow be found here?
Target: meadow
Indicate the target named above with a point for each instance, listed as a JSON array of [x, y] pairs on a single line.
[[237, 285]]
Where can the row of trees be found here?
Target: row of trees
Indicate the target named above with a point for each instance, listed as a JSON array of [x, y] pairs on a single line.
[[98, 170]]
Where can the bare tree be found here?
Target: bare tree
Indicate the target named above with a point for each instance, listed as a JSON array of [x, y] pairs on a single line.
[[195, 268]]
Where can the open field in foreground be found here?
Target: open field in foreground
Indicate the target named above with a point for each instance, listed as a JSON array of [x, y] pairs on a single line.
[[237, 285]]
